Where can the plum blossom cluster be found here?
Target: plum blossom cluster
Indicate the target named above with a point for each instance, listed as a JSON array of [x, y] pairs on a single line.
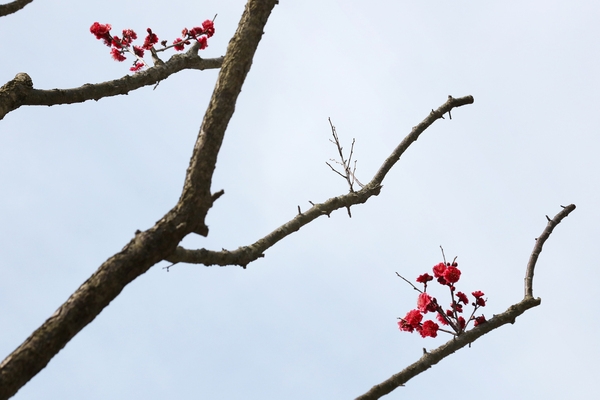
[[119, 46], [446, 274]]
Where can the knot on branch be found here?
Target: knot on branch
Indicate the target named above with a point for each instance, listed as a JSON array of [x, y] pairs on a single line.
[[14, 93], [23, 79]]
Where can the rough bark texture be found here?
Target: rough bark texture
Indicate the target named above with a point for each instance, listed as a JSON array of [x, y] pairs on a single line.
[[14, 93], [13, 7], [20, 92]]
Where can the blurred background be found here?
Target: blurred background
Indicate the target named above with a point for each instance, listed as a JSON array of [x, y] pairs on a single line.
[[316, 318]]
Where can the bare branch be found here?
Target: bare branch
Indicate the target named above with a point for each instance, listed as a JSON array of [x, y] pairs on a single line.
[[539, 243], [416, 132], [468, 337], [246, 254], [20, 92], [149, 247], [13, 7]]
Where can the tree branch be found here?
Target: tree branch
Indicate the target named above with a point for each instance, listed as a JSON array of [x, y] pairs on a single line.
[[429, 359], [539, 243], [149, 247], [246, 254], [196, 194], [13, 7], [20, 92]]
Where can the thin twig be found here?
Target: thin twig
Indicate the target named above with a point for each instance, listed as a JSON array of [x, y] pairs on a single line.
[[410, 283], [348, 174], [539, 243]]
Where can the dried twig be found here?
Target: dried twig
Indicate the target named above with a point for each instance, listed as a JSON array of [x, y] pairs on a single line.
[[349, 173]]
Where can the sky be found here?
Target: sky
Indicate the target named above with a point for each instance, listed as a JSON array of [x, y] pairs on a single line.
[[317, 317]]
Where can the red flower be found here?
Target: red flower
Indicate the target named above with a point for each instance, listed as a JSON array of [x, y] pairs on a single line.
[[479, 320], [457, 307], [138, 51], [429, 328], [413, 318], [452, 274], [209, 27], [137, 66], [462, 322], [203, 42], [404, 326], [462, 297], [116, 42], [439, 270], [195, 31], [150, 40], [480, 302], [178, 44], [101, 32], [128, 36], [117, 55], [426, 303], [478, 293], [424, 278], [442, 319]]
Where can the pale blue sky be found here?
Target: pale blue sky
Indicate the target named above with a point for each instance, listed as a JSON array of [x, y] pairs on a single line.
[[316, 318]]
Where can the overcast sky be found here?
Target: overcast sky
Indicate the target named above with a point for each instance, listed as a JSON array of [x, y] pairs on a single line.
[[316, 318]]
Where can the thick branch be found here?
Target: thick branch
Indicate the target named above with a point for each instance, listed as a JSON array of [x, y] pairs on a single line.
[[246, 254], [196, 192], [13, 97], [539, 243], [14, 93], [509, 316], [13, 7], [149, 247]]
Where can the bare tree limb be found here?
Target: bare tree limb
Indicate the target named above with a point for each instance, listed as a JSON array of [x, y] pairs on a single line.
[[246, 254], [13, 7], [429, 359], [539, 243], [149, 247], [20, 92]]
